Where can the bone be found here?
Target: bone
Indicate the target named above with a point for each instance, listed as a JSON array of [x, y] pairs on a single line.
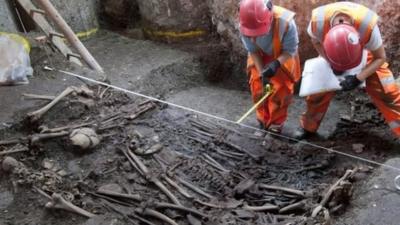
[[158, 215], [133, 164], [141, 110], [217, 164], [203, 125], [36, 115], [9, 164], [103, 92], [84, 138], [267, 207], [153, 149], [220, 206], [11, 141], [58, 202], [240, 149], [68, 127], [296, 206], [40, 137], [213, 165], [329, 193], [112, 199], [283, 189], [177, 187], [194, 188], [145, 171], [119, 195], [228, 154], [13, 151], [39, 97], [159, 205]]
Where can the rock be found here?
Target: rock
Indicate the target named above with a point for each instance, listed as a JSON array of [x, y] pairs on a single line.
[[48, 164], [62, 173], [84, 138], [358, 148], [9, 164]]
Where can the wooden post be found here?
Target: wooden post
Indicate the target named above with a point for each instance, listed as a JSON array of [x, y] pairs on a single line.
[[69, 34]]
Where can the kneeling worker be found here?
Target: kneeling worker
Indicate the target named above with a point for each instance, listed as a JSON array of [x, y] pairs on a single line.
[[269, 34], [340, 33]]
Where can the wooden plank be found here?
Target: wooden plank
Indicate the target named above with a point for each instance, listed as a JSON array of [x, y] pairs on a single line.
[[41, 21]]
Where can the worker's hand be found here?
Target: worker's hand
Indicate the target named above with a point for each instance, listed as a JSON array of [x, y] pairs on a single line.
[[350, 83], [271, 69]]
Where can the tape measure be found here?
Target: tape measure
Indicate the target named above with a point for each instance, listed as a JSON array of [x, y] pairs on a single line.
[[268, 91]]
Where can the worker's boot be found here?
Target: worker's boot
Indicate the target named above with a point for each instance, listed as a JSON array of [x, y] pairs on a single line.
[[301, 134], [275, 129], [261, 130]]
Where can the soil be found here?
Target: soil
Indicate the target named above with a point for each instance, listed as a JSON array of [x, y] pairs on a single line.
[[190, 143]]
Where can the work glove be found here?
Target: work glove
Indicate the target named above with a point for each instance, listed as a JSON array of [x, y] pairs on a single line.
[[270, 71], [349, 83]]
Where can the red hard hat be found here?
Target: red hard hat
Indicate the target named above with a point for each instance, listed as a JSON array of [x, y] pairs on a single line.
[[342, 47], [255, 17]]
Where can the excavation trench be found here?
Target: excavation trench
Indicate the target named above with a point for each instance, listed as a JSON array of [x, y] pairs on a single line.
[[239, 178]]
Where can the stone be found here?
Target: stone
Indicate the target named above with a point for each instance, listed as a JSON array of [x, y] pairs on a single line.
[[9, 164], [358, 148]]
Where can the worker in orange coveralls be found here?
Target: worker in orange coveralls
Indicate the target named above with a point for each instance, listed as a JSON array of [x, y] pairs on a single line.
[[270, 36], [340, 32]]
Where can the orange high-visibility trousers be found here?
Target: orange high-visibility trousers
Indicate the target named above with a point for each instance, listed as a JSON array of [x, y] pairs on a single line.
[[273, 112], [381, 87]]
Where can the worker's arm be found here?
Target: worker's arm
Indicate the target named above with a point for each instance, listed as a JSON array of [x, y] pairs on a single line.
[[375, 46], [379, 60], [290, 43], [284, 57], [258, 61], [315, 42]]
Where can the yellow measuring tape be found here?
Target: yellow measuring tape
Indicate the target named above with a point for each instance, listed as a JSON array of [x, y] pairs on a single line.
[[269, 91]]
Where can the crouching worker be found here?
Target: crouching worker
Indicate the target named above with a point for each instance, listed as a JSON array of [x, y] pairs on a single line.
[[340, 33], [270, 36]]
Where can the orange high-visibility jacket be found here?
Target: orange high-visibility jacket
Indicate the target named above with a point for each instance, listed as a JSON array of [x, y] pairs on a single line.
[[274, 109], [282, 17], [364, 20]]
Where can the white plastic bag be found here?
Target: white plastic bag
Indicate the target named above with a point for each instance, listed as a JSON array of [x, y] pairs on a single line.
[[15, 63], [318, 76]]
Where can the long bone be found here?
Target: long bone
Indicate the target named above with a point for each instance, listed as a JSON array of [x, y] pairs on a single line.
[[36, 115], [58, 202]]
